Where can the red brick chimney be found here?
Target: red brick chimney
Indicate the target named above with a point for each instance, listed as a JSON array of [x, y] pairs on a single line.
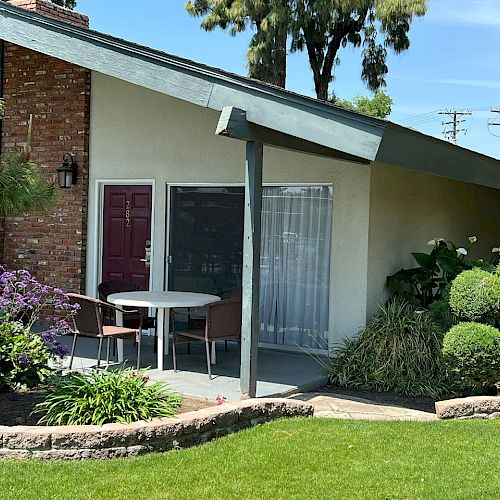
[[50, 244], [46, 8]]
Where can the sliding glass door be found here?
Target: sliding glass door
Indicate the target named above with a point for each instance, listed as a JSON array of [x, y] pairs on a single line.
[[206, 248], [295, 265]]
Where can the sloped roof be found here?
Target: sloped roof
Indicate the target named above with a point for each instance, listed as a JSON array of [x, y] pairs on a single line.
[[318, 127]]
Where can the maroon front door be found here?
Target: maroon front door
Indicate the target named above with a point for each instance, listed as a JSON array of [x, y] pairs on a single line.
[[126, 233]]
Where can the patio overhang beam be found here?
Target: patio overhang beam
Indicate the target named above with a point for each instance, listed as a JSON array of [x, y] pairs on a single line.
[[233, 123]]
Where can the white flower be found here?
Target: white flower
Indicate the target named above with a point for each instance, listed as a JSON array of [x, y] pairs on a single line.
[[462, 251], [434, 242], [472, 239], [495, 250]]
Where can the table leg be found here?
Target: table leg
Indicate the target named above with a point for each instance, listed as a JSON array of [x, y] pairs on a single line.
[[213, 357], [119, 342], [166, 329], [160, 333]]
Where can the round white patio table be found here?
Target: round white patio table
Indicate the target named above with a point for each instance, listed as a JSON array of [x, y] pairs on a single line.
[[163, 302]]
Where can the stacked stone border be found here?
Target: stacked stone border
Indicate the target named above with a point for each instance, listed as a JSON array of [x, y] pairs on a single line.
[[477, 407], [125, 440]]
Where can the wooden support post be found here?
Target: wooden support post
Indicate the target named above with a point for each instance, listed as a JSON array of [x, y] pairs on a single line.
[[250, 326]]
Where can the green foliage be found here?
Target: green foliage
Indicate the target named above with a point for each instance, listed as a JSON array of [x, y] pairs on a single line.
[[22, 187], [424, 284], [475, 296], [441, 313], [266, 56], [472, 355], [399, 351], [23, 357], [321, 28], [100, 397], [379, 106]]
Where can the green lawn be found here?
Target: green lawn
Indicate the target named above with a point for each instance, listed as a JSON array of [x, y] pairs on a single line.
[[300, 458]]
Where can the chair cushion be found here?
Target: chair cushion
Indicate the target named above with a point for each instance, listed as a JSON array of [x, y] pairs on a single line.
[[119, 331]]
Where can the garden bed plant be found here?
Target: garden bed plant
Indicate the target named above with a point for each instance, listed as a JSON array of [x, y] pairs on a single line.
[[24, 352]]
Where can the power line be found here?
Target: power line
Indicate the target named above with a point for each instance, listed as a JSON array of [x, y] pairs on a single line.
[[452, 134], [492, 122]]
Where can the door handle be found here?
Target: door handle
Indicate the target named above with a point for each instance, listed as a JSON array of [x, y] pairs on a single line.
[[147, 258]]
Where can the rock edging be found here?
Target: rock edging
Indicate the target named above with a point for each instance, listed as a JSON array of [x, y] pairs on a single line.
[[476, 407], [125, 440]]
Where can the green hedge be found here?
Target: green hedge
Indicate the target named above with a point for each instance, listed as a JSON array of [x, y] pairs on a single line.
[[475, 295], [471, 352]]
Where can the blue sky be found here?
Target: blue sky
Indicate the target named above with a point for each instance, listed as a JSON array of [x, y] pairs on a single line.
[[452, 62]]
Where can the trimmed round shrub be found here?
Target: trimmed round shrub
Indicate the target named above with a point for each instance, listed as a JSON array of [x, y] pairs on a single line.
[[399, 350], [471, 352], [475, 295]]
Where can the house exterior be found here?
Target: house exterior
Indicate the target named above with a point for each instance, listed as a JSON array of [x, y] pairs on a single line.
[[170, 155]]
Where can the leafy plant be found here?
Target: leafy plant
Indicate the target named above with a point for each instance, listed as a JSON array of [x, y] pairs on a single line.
[[24, 354], [380, 105], [23, 357], [441, 313], [475, 295], [472, 354], [424, 284], [399, 351], [100, 397]]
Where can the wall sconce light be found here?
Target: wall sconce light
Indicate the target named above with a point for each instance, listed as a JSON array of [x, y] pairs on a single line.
[[67, 173]]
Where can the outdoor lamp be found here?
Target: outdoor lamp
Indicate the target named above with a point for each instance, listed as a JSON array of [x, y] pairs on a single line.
[[67, 172]]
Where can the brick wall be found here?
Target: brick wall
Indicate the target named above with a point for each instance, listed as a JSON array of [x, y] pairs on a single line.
[[51, 244], [48, 9]]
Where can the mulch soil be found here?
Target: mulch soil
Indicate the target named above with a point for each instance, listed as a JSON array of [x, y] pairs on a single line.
[[16, 407], [388, 398]]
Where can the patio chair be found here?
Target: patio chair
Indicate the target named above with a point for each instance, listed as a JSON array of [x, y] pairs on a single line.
[[107, 288], [223, 322], [88, 322]]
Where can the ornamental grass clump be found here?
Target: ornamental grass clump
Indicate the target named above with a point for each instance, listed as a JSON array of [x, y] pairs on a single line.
[[472, 354], [398, 351], [102, 397]]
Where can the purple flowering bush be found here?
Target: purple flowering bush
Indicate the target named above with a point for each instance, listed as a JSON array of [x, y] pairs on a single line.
[[24, 302]]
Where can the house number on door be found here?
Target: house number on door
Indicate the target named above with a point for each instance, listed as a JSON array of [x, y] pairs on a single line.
[[127, 212]]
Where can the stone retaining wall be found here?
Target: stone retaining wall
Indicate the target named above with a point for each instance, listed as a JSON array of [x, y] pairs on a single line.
[[122, 440], [477, 407]]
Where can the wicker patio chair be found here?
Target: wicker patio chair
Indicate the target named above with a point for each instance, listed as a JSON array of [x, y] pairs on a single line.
[[107, 288], [223, 322], [88, 322]]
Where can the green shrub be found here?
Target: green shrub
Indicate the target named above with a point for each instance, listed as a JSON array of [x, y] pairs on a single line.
[[399, 350], [23, 357], [472, 355], [475, 295], [100, 397], [441, 313]]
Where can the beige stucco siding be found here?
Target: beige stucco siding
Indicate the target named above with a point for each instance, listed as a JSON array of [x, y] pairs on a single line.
[[408, 209], [140, 134]]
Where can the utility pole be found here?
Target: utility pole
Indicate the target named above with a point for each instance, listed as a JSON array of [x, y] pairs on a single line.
[[452, 134]]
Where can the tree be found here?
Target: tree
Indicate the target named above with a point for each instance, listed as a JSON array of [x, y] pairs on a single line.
[[266, 56], [22, 187], [379, 106], [321, 28]]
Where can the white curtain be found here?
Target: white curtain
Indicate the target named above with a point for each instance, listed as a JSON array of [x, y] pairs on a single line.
[[295, 265]]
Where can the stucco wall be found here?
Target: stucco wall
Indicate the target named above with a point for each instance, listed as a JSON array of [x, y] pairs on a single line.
[[408, 209], [141, 134]]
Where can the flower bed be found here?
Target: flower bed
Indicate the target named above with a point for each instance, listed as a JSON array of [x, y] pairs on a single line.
[[124, 440]]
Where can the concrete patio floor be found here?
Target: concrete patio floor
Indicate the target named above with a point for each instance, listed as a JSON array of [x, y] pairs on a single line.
[[279, 373]]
